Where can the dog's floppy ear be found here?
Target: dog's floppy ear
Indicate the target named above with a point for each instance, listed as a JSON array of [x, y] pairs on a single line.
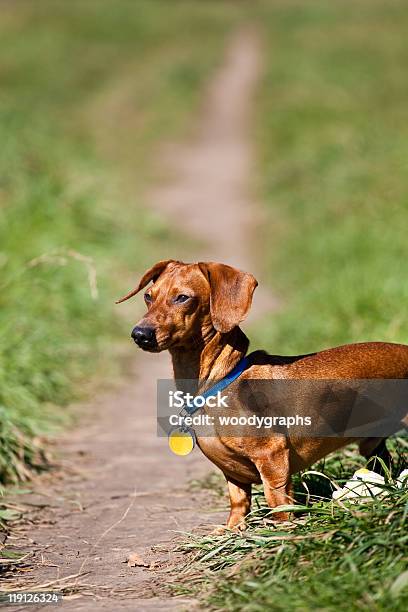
[[231, 293], [151, 275]]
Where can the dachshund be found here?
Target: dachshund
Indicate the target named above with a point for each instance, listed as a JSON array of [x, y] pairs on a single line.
[[194, 311]]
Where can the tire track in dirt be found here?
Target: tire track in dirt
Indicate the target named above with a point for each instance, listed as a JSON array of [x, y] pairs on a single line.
[[126, 491]]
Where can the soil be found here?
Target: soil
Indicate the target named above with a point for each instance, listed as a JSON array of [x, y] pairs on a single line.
[[119, 490]]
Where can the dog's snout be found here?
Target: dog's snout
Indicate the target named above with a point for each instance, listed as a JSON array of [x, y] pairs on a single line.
[[145, 337]]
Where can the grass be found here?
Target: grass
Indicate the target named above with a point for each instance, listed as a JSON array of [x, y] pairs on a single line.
[[333, 145], [88, 89], [345, 559], [333, 148], [330, 556]]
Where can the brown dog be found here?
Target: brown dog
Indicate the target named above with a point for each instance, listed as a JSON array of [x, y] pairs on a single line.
[[194, 312]]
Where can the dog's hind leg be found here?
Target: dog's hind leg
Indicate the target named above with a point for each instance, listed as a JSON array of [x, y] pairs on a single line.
[[373, 448]]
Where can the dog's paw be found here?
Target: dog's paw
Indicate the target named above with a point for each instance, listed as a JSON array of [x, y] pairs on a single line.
[[223, 529], [218, 531]]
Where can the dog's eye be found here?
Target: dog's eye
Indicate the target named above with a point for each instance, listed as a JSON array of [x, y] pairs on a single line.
[[180, 299], [148, 298]]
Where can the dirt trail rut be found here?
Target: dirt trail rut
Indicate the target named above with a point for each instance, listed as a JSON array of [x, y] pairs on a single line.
[[127, 491]]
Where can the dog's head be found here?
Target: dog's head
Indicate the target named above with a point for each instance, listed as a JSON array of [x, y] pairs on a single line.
[[187, 303]]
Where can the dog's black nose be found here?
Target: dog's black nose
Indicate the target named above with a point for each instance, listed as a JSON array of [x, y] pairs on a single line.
[[145, 337]]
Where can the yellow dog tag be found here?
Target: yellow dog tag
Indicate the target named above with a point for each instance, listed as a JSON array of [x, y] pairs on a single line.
[[181, 441]]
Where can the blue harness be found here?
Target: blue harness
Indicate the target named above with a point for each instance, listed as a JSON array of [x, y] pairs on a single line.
[[183, 432], [221, 384]]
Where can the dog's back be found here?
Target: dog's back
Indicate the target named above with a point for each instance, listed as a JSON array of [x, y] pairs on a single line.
[[363, 360]]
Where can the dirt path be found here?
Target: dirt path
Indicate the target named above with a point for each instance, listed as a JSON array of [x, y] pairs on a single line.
[[125, 491]]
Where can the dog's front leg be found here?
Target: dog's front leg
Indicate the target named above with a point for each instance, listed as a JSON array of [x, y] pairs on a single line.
[[240, 501], [276, 480], [240, 505]]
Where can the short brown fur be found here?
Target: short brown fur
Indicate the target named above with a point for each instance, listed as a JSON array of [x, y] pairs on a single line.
[[205, 342]]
